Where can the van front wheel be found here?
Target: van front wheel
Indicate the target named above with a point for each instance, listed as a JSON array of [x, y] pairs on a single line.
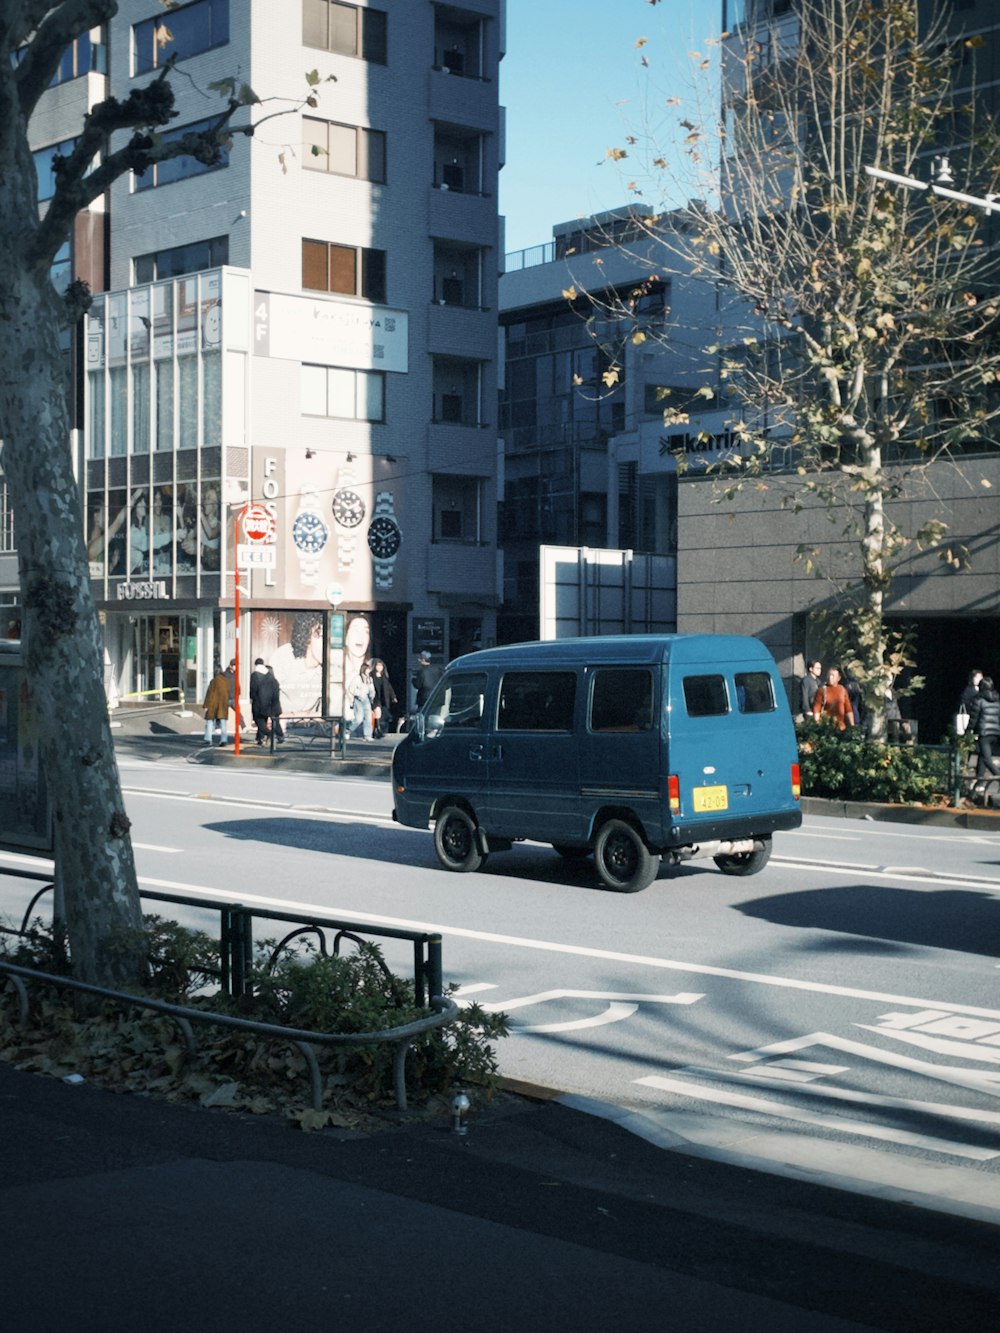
[[745, 863], [624, 862], [455, 840]]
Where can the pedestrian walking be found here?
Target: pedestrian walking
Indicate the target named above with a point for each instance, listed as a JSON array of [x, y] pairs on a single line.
[[966, 700], [265, 703], [385, 699], [217, 708], [810, 684], [833, 701], [361, 697], [425, 676], [984, 722]]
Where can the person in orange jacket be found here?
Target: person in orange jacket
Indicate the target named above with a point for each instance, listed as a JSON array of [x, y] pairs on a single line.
[[833, 701]]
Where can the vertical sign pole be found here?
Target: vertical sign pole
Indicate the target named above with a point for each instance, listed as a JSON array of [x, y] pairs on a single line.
[[236, 635]]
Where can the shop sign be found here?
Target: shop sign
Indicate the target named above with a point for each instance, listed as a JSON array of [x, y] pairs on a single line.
[[142, 592], [255, 557]]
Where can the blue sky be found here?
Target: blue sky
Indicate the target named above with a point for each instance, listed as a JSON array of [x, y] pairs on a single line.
[[573, 86]]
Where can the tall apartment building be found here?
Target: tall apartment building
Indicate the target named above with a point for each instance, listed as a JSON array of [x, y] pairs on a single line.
[[309, 325]]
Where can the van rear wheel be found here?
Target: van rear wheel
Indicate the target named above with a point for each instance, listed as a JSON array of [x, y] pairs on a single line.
[[455, 840], [745, 863], [624, 862]]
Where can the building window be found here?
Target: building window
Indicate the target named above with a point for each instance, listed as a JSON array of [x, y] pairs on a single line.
[[179, 259], [180, 168], [85, 55], [457, 507], [349, 270], [179, 34], [345, 29], [457, 387], [335, 391], [44, 159], [343, 150]]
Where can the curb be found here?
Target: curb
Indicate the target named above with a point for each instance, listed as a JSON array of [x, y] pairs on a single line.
[[942, 816]]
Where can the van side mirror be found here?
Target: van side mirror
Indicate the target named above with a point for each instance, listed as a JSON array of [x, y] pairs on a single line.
[[419, 727], [432, 725]]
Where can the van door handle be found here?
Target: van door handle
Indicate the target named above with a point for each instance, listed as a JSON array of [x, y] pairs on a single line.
[[496, 754], [477, 752]]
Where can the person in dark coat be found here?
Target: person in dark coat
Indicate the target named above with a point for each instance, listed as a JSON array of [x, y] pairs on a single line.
[[265, 702], [984, 721], [385, 698], [425, 676]]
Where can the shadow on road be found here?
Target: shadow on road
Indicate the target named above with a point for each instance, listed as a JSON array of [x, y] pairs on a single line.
[[958, 919]]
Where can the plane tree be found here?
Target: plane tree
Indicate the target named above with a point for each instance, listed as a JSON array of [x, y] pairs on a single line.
[[60, 631]]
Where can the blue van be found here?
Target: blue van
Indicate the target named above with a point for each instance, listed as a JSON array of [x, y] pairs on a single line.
[[628, 748]]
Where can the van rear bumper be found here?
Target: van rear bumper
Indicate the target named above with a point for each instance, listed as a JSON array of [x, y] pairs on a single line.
[[731, 830]]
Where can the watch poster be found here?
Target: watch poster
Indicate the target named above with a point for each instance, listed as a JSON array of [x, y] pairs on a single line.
[[339, 525]]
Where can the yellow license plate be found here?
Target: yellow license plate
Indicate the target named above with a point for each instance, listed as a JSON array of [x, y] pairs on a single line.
[[710, 798]]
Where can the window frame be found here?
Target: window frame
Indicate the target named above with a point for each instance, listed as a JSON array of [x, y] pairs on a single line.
[[148, 64], [364, 138], [369, 271], [149, 180], [371, 30], [635, 718], [710, 680], [361, 379]]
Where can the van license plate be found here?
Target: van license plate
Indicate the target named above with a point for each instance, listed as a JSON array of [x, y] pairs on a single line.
[[710, 798]]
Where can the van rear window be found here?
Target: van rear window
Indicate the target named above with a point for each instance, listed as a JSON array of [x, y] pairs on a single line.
[[622, 699], [705, 696], [537, 701], [754, 692]]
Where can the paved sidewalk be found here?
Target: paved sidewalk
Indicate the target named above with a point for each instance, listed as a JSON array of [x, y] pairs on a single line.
[[123, 1213]]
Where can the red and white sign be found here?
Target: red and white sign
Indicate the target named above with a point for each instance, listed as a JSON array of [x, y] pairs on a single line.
[[258, 525]]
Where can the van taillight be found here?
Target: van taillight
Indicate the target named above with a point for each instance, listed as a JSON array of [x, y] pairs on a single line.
[[674, 793], [796, 785]]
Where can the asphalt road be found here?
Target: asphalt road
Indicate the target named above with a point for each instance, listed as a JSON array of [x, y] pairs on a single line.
[[835, 1015]]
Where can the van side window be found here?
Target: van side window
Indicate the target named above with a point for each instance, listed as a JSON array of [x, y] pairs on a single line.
[[754, 692], [705, 696], [457, 702], [622, 699], [537, 701]]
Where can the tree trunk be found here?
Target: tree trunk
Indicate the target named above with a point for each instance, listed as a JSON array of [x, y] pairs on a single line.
[[62, 639]]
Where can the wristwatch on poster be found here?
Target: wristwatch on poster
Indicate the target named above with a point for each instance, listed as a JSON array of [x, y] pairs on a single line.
[[348, 514], [384, 538], [310, 534]]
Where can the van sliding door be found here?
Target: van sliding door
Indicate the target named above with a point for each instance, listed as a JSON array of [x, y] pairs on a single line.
[[534, 788]]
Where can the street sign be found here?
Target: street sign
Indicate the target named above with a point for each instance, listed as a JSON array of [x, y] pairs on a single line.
[[255, 557], [258, 525]]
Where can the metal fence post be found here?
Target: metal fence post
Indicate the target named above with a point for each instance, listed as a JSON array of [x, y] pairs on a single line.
[[435, 975]]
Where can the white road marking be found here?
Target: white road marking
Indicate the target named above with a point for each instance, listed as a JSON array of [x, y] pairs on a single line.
[[684, 997], [787, 1112], [473, 988], [973, 1079], [581, 951], [941, 1046], [155, 847], [613, 1014], [257, 802]]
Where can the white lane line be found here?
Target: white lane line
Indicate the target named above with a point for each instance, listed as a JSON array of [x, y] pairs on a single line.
[[787, 1112], [581, 951], [613, 1014], [154, 847], [242, 802], [912, 875], [473, 988]]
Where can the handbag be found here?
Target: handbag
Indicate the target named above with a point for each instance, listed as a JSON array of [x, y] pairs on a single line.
[[961, 722]]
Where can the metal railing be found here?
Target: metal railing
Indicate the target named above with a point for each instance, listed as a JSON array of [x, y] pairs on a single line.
[[236, 959]]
